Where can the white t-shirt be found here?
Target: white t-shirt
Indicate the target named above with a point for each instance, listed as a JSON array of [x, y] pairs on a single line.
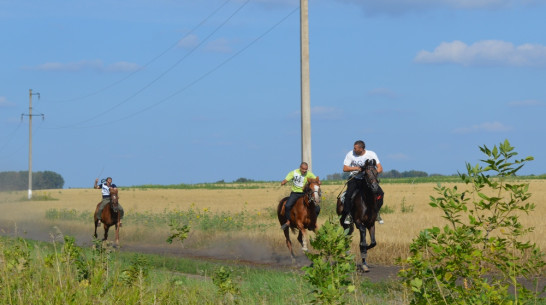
[[353, 160], [106, 189]]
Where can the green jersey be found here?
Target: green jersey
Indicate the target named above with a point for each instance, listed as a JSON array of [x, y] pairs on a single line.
[[298, 180]]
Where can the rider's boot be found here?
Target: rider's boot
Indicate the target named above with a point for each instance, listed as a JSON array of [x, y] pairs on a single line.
[[285, 225], [379, 219]]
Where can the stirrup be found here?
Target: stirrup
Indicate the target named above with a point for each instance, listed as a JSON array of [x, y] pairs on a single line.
[[348, 219], [380, 220], [285, 226], [98, 222]]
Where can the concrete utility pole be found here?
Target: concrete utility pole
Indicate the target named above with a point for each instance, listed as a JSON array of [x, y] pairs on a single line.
[[305, 87], [30, 94]]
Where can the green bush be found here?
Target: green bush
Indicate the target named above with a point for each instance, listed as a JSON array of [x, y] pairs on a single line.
[[479, 256], [332, 265]]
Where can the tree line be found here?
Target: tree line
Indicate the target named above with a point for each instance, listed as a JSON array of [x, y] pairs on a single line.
[[18, 181], [387, 174]]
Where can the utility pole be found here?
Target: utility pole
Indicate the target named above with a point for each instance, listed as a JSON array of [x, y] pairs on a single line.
[[305, 86], [30, 94]]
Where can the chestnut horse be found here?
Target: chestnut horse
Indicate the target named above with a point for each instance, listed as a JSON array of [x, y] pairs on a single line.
[[110, 215], [365, 209], [303, 215]]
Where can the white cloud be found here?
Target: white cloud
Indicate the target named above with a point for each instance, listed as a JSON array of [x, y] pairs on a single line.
[[189, 42], [5, 103], [526, 103], [483, 127], [82, 65], [326, 113], [485, 53], [122, 66], [397, 7], [219, 46]]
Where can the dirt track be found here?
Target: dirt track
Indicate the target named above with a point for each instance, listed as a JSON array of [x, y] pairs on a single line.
[[234, 251]]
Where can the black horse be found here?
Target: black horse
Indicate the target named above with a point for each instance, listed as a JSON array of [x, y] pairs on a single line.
[[365, 208]]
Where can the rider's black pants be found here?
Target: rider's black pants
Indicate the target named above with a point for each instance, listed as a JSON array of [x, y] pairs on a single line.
[[294, 196]]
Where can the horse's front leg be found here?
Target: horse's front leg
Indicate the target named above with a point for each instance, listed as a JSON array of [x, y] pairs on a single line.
[[106, 228], [117, 234], [302, 238], [289, 243], [372, 237], [363, 248]]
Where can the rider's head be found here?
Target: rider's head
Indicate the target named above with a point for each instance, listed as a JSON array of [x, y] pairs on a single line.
[[109, 180], [303, 168], [359, 147]]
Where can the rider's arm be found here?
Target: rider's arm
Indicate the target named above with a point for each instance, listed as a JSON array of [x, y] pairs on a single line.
[[96, 186], [379, 168], [347, 168]]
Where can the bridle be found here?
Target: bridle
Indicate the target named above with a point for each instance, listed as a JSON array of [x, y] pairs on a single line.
[[311, 194]]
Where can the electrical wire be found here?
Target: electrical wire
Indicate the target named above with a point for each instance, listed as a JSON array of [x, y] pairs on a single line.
[[204, 75], [158, 77], [149, 62]]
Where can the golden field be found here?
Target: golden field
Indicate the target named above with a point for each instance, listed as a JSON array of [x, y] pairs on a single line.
[[24, 218]]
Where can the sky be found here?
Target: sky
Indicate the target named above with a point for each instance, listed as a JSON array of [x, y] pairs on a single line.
[[169, 92]]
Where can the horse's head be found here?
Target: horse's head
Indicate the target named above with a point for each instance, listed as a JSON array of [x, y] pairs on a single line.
[[114, 197], [370, 175], [312, 189]]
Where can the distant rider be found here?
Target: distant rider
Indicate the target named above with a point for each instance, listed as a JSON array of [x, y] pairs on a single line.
[[353, 163], [299, 179], [105, 187]]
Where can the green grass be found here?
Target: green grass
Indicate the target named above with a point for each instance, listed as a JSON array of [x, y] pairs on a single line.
[[49, 273]]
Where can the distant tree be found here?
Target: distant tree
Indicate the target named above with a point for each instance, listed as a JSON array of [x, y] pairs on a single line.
[[243, 180], [387, 174], [414, 173], [17, 181]]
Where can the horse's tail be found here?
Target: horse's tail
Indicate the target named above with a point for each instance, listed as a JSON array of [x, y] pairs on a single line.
[[279, 209]]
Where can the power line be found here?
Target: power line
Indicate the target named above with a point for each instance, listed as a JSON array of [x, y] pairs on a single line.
[[161, 75], [150, 61], [204, 75]]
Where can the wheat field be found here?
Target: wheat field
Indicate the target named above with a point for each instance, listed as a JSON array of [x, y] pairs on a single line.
[[406, 204]]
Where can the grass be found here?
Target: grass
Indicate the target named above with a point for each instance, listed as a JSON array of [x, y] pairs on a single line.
[[47, 273]]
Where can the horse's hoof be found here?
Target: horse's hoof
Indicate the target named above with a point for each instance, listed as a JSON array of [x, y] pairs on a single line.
[[372, 245], [362, 268], [305, 249]]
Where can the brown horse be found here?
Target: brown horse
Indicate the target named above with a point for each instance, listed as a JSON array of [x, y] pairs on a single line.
[[303, 215], [110, 215], [365, 209]]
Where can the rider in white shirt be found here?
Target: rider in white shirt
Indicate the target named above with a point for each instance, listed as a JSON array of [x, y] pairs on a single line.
[[353, 163], [105, 187]]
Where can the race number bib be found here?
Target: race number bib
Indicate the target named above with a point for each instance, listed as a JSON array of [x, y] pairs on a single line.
[[298, 180]]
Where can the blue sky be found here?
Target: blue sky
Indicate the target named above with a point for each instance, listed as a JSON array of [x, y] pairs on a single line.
[[168, 92]]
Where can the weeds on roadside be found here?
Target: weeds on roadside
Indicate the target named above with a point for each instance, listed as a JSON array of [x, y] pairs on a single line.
[[178, 232], [227, 288]]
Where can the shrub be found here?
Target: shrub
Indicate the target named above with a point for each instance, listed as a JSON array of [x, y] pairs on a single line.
[[479, 256], [332, 265]]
